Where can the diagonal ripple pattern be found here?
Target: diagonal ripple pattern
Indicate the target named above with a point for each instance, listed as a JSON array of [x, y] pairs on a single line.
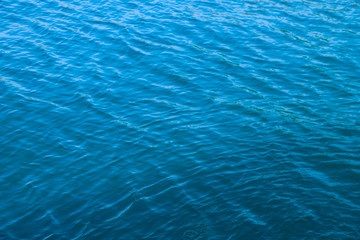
[[188, 119]]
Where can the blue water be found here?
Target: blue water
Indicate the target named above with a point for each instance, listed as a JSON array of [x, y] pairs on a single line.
[[180, 119]]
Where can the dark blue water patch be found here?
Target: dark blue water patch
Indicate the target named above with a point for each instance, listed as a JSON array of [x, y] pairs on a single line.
[[179, 120]]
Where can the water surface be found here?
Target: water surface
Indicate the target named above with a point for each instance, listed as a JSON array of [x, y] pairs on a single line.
[[179, 119]]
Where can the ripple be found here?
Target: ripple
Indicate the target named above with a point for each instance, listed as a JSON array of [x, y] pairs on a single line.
[[168, 120]]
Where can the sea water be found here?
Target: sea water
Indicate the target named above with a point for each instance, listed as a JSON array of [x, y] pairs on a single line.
[[185, 119]]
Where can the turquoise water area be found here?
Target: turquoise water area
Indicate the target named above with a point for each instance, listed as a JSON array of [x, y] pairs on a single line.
[[185, 119]]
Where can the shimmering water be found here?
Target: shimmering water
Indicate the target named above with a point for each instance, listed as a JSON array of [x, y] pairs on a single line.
[[180, 119]]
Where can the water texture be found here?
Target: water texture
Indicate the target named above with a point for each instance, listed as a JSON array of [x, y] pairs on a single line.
[[180, 119]]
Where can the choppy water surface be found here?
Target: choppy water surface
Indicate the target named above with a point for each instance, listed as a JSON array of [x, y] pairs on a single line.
[[180, 119]]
